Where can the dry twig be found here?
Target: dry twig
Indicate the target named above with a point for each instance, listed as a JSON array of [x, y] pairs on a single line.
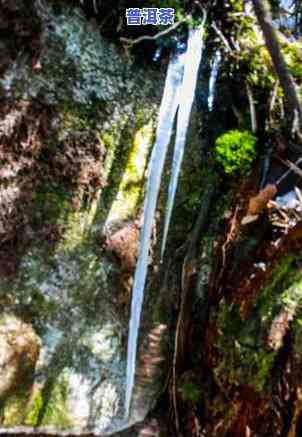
[[174, 26], [131, 42], [291, 168], [222, 37]]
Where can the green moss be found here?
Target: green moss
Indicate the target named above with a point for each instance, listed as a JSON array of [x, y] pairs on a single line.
[[19, 410], [190, 391], [193, 185], [292, 53], [54, 408], [137, 158], [235, 151], [284, 281], [116, 140], [243, 358], [32, 415], [237, 5], [54, 205], [296, 328], [291, 299], [260, 71], [78, 117], [24, 408], [77, 229], [14, 407], [128, 195], [261, 362], [52, 200]]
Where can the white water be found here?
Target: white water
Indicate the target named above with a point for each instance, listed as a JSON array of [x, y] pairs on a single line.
[[166, 117], [187, 93], [213, 79]]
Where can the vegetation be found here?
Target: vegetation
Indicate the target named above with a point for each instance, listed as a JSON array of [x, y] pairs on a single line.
[[235, 151]]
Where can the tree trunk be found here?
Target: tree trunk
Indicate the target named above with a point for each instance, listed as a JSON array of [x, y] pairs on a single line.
[[286, 81]]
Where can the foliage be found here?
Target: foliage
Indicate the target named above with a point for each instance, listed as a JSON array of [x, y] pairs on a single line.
[[235, 151], [177, 5], [260, 72], [292, 53], [190, 391]]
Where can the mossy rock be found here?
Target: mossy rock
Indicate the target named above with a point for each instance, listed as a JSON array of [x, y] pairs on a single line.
[[247, 348]]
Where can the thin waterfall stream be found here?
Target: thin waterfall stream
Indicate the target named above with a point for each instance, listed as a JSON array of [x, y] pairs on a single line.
[[178, 95], [187, 94], [167, 113], [213, 78]]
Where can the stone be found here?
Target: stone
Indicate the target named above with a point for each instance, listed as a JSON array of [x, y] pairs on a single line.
[[19, 352]]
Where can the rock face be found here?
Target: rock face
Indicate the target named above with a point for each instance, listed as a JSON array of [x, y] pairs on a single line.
[[19, 352], [76, 126]]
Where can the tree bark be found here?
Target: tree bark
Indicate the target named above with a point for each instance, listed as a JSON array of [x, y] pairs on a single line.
[[263, 14]]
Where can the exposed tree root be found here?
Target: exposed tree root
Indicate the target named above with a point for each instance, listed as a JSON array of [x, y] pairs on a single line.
[[189, 268]]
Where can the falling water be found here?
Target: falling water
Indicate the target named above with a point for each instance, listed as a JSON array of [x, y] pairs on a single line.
[[187, 93], [179, 92], [166, 117], [213, 79]]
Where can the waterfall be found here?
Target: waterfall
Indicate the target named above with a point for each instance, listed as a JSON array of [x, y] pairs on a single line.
[[213, 79], [166, 117], [181, 79], [187, 93]]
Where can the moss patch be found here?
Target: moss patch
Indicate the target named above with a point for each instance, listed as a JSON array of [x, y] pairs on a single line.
[[129, 192], [235, 151], [25, 408], [53, 406]]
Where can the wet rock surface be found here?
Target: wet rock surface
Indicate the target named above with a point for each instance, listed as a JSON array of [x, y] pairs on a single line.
[[74, 116]]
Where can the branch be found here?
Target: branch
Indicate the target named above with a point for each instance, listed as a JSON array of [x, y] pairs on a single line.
[[292, 166], [284, 176], [204, 13], [95, 7], [188, 268], [286, 80], [252, 108], [131, 42], [273, 99], [222, 37]]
